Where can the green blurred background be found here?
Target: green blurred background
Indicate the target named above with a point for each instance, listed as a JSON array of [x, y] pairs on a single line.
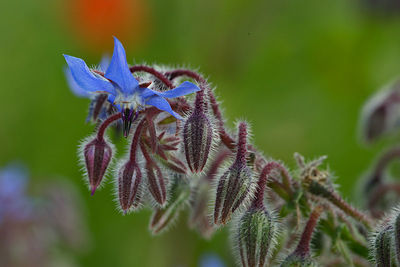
[[298, 71]]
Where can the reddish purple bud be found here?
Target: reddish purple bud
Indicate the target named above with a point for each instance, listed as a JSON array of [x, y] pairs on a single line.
[[97, 154], [236, 185], [156, 183], [197, 136], [129, 183], [380, 113]]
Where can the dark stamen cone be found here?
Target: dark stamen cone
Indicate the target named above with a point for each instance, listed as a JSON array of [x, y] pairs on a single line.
[[235, 187], [97, 154], [128, 116], [197, 136], [129, 182]]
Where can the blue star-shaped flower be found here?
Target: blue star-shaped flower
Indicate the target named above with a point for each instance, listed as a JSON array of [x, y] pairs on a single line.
[[122, 88]]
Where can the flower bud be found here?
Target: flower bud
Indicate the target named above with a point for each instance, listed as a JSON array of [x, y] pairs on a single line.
[[163, 218], [234, 189], [129, 185], [396, 226], [197, 136], [255, 237], [156, 183], [236, 185], [383, 247], [97, 154], [380, 113]]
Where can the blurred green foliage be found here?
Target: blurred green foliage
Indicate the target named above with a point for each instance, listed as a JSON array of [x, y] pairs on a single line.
[[298, 71]]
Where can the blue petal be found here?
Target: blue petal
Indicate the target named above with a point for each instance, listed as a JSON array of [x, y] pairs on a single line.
[[184, 89], [162, 104], [118, 70], [75, 88], [86, 79]]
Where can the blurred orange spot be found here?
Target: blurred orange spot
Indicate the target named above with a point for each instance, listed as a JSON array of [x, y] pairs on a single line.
[[96, 21]]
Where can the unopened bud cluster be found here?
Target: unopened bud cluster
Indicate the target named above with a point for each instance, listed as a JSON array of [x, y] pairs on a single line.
[[180, 155]]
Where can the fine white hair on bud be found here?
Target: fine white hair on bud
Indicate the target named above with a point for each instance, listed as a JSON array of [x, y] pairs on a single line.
[[95, 155], [236, 185], [255, 236]]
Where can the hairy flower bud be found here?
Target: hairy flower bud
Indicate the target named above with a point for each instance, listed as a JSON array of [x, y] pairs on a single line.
[[156, 183], [383, 247], [236, 185], [129, 185], [380, 114], [197, 136], [163, 218], [396, 225], [155, 178], [255, 237], [97, 154]]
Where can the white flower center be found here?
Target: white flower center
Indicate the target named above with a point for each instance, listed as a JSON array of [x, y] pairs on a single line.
[[134, 101]]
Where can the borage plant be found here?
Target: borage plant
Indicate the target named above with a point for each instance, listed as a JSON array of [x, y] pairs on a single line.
[[182, 156]]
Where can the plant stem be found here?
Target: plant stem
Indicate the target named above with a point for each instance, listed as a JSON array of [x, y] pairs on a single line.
[[135, 140], [105, 124], [154, 72]]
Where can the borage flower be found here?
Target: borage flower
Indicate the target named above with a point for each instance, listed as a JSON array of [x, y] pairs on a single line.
[[124, 91]]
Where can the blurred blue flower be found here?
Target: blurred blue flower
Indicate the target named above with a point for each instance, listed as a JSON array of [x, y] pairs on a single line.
[[211, 260], [13, 200], [122, 88]]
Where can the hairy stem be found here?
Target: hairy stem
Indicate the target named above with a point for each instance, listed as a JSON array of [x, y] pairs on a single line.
[[225, 137], [320, 190], [303, 247], [381, 165], [242, 144], [105, 124], [154, 72], [262, 182], [135, 141]]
